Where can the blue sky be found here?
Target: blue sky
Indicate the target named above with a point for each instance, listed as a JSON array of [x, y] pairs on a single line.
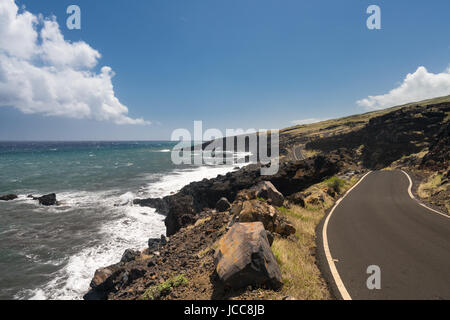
[[239, 63]]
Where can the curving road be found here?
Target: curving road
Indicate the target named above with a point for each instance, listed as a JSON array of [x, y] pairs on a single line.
[[298, 152], [378, 223]]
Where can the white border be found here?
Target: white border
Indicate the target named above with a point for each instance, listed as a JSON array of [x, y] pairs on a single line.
[[412, 197]]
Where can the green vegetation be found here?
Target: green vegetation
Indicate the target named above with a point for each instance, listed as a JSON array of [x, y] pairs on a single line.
[[335, 183], [292, 213], [163, 289]]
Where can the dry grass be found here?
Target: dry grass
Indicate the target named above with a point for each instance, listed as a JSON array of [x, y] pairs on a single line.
[[431, 186], [404, 161], [301, 275], [198, 223]]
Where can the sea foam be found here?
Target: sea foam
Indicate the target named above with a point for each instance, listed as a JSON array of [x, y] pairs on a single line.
[[128, 226]]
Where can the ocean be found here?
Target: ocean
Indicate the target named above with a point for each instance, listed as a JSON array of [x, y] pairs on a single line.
[[53, 252]]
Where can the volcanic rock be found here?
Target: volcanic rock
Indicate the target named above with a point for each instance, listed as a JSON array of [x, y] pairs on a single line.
[[243, 258]]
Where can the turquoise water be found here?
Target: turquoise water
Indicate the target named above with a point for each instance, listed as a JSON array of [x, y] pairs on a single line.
[[39, 167], [52, 252]]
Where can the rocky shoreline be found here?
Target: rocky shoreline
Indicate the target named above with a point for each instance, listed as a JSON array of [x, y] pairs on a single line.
[[45, 200], [220, 230], [214, 229]]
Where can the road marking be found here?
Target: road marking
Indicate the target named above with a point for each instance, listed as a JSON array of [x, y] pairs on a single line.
[[337, 278], [412, 197]]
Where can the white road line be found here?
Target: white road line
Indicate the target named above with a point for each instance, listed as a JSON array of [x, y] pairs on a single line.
[[412, 197], [337, 279]]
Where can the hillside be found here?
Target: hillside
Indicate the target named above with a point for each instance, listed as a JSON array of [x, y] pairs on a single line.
[[298, 136]]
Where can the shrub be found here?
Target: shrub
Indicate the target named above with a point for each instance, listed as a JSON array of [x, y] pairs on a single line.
[[335, 183], [163, 289]]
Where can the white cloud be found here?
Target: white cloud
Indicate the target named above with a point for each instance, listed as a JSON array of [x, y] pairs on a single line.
[[40, 72], [420, 85], [307, 121]]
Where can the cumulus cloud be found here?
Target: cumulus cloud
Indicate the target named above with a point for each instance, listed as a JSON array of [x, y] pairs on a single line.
[[420, 85], [307, 121], [41, 72]]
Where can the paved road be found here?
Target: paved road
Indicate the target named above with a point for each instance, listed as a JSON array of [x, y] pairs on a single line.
[[298, 152], [378, 223]]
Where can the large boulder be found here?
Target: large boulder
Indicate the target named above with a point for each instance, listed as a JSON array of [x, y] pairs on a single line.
[[266, 190], [243, 257], [255, 210], [297, 198], [130, 255], [101, 284], [8, 197], [316, 198], [154, 244], [47, 200], [223, 205]]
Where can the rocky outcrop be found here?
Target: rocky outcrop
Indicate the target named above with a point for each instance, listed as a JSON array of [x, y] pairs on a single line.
[[111, 279], [243, 257], [47, 200], [266, 190], [391, 136], [8, 197], [157, 203], [130, 255], [297, 198], [183, 208], [101, 284], [256, 210], [438, 156], [155, 244]]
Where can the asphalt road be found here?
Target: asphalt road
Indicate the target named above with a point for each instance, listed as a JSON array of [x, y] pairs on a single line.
[[377, 223], [298, 152]]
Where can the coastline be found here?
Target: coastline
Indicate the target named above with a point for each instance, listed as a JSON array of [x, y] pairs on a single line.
[[128, 226]]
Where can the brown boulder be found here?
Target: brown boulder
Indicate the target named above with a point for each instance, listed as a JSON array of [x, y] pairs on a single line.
[[316, 198], [255, 210], [285, 229], [244, 258], [100, 277], [267, 191]]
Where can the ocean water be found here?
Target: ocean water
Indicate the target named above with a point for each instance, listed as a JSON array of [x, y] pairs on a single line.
[[53, 252]]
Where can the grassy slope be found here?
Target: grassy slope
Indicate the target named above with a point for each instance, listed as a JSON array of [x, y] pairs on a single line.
[[297, 135], [353, 121]]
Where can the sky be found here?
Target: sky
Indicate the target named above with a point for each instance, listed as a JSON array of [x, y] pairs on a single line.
[[138, 70]]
